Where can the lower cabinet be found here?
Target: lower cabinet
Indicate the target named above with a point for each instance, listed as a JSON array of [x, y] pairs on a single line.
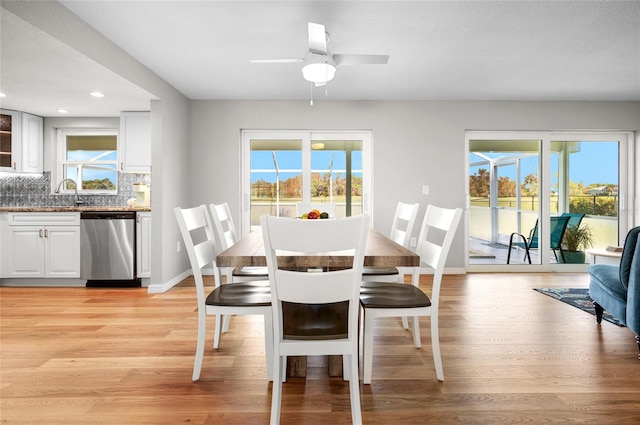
[[42, 245], [143, 244]]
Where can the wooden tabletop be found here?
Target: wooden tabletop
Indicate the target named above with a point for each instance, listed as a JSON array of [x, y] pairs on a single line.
[[381, 252]]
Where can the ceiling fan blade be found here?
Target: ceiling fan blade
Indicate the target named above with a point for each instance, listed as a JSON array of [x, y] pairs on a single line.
[[276, 60], [317, 39], [361, 59]]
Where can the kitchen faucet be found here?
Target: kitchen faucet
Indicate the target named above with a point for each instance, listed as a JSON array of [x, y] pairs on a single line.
[[75, 186]]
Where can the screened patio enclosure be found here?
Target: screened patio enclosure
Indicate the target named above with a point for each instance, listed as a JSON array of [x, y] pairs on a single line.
[[517, 184]]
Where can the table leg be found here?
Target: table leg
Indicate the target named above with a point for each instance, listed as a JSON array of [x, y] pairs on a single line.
[[297, 366]]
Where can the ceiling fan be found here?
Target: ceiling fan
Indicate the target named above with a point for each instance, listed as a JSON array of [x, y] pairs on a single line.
[[320, 63]]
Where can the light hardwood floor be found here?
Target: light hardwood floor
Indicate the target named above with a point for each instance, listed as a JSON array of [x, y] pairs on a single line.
[[122, 356]]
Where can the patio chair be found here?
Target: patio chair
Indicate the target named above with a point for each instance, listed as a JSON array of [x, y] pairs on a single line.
[[574, 218], [557, 227]]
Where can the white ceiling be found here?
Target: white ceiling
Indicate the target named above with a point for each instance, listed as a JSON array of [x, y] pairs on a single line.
[[439, 50]]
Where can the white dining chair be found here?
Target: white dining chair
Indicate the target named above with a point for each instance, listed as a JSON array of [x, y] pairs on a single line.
[[335, 333], [305, 207], [388, 299], [227, 236], [401, 230], [243, 298]]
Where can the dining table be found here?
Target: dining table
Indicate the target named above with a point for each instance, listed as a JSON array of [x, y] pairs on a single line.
[[381, 251]]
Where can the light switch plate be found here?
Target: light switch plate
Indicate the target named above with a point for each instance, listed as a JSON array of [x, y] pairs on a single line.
[[425, 189]]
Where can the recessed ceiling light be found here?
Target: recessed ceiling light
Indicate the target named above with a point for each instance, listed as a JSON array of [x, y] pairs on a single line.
[[96, 94], [63, 111], [3, 95]]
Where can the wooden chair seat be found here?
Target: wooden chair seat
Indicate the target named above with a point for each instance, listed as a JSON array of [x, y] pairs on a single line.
[[244, 294], [392, 295]]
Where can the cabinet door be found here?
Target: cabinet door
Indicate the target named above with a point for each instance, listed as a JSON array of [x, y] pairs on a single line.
[[25, 258], [143, 244], [134, 143], [32, 144], [62, 251], [10, 137]]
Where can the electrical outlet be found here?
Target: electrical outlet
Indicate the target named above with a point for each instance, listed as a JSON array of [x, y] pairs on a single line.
[[413, 241], [178, 247]]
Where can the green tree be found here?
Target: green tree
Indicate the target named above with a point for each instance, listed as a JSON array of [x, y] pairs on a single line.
[[479, 183]]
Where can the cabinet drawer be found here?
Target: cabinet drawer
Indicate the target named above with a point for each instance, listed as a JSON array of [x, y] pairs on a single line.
[[44, 219]]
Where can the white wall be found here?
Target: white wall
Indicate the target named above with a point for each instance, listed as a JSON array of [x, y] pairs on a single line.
[[414, 142]]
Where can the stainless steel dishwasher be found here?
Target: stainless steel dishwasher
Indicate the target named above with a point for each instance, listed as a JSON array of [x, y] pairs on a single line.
[[108, 248]]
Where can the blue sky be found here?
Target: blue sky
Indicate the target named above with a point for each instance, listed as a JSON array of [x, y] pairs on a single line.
[[88, 173]]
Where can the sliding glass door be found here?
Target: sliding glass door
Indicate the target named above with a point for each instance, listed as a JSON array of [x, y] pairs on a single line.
[[527, 190], [283, 168]]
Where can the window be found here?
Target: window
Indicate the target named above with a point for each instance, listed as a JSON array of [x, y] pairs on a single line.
[[518, 181], [282, 168], [89, 158]]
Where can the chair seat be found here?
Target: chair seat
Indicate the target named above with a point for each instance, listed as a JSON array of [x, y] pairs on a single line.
[[252, 272], [241, 294], [392, 295], [379, 271], [315, 321], [606, 278]]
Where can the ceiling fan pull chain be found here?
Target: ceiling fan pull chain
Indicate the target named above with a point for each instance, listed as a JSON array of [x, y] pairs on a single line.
[[311, 94]]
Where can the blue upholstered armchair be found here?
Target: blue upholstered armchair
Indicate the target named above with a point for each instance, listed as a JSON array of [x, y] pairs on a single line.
[[617, 289]]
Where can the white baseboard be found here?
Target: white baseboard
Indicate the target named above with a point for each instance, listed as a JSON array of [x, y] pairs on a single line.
[[164, 287]]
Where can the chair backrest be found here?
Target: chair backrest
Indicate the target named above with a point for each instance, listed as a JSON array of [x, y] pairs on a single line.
[[558, 225], [630, 278], [574, 218], [305, 207], [628, 255], [403, 223], [315, 237], [197, 234], [433, 246], [225, 230]]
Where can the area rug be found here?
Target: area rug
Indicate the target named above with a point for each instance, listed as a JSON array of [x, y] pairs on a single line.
[[577, 297]]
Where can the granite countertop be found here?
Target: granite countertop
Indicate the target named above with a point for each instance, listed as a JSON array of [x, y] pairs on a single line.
[[73, 209]]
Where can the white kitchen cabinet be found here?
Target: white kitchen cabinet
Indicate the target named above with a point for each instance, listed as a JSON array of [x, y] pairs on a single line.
[[134, 143], [143, 244], [21, 145], [42, 245]]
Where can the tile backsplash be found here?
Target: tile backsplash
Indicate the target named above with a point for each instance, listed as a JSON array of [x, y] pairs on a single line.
[[36, 191]]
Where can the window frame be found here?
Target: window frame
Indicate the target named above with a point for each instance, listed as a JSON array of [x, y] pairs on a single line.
[[61, 161], [307, 137]]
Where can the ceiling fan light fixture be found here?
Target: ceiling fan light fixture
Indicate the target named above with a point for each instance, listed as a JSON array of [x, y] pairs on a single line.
[[319, 72]]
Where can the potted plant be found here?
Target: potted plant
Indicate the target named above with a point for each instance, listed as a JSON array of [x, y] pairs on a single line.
[[576, 239]]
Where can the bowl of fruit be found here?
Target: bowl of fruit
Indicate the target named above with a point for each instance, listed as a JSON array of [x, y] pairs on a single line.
[[315, 215]]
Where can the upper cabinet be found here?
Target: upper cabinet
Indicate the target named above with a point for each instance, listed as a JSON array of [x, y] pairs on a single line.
[[134, 144], [21, 142]]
